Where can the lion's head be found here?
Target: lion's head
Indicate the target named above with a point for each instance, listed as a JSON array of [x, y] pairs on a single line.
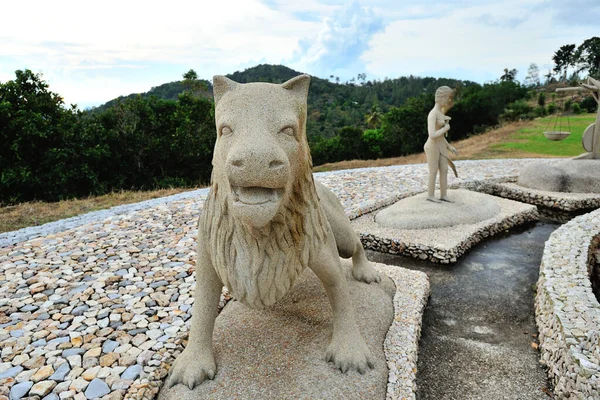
[[261, 146], [263, 214]]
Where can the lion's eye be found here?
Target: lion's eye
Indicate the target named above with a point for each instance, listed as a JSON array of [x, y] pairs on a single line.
[[288, 130], [225, 130]]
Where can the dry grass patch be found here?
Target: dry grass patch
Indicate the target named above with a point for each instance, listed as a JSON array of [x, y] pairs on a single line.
[[38, 212]]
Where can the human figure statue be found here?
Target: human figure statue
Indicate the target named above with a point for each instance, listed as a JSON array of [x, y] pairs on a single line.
[[436, 147]]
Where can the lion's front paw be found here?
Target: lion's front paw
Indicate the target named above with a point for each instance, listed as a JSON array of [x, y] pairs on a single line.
[[191, 369], [349, 352], [365, 273]]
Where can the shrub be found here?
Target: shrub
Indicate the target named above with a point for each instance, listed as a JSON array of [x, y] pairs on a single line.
[[51, 152], [540, 111], [589, 104], [517, 110], [542, 99]]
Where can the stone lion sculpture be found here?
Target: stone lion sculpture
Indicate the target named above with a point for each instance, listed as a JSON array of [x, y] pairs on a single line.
[[265, 221]]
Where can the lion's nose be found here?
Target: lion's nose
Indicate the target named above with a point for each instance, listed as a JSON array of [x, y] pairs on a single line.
[[264, 168], [257, 162]]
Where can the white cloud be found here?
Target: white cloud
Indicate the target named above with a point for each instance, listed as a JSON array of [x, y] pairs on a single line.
[[63, 37], [92, 52], [474, 43], [341, 41]]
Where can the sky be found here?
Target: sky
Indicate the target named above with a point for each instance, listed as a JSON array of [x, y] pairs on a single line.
[[92, 52]]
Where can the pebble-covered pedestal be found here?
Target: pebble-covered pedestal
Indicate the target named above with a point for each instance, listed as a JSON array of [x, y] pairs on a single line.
[[555, 200], [441, 245]]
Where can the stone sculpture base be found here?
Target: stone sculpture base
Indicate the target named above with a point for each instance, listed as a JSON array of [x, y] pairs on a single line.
[[565, 176], [416, 212], [279, 352], [446, 241], [567, 202]]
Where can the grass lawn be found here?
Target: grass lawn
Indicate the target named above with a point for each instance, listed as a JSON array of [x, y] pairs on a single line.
[[530, 139]]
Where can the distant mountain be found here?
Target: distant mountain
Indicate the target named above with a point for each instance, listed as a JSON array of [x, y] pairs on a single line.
[[331, 105]]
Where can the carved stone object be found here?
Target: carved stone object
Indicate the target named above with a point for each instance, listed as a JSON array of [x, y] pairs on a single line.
[[437, 147], [591, 135], [580, 174], [265, 221]]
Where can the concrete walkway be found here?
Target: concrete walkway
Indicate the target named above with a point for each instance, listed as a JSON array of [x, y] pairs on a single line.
[[479, 325]]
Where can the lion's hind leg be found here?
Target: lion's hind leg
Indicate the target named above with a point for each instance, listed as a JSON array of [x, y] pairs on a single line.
[[347, 241]]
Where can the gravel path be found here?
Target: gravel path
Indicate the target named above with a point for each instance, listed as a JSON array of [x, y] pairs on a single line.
[[96, 305]]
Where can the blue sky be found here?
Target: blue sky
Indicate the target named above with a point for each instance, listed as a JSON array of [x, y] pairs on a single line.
[[93, 52]]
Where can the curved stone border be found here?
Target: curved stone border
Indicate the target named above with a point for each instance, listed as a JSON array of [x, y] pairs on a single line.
[[405, 331], [567, 312], [441, 245], [21, 235], [555, 200]]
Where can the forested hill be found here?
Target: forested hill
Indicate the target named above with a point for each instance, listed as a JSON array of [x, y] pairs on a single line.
[[331, 104]]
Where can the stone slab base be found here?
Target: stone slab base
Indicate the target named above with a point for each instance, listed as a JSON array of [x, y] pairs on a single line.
[[441, 245], [279, 352], [554, 200]]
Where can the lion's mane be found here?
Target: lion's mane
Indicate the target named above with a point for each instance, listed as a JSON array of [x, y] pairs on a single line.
[[278, 253]]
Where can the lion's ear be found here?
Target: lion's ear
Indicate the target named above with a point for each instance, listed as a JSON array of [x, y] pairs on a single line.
[[299, 86], [222, 85]]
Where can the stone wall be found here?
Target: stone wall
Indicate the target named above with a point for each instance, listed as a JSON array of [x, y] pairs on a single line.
[[567, 312]]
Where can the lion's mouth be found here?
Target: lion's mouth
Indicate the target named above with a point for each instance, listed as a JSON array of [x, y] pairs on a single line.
[[255, 195]]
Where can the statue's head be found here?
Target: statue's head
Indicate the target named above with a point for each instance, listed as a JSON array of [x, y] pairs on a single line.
[[444, 96], [261, 152]]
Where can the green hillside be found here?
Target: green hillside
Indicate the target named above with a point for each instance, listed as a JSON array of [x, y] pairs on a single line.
[[331, 104]]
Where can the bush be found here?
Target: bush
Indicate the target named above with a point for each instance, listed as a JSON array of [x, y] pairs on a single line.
[[589, 104], [540, 111], [51, 152], [517, 111], [551, 108], [542, 99], [373, 142], [577, 109]]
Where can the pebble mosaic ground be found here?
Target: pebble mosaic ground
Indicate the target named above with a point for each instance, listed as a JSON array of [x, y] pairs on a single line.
[[98, 306]]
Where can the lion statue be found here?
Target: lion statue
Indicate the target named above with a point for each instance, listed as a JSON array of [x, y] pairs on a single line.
[[265, 221]]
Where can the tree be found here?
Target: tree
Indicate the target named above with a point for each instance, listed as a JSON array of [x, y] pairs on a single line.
[[374, 118], [31, 122], [564, 58], [509, 75], [192, 83], [587, 56], [533, 76], [191, 75]]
